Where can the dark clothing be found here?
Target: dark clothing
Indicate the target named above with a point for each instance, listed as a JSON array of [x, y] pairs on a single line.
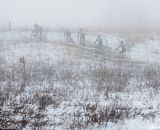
[[67, 35], [99, 42], [81, 36], [121, 48], [37, 32]]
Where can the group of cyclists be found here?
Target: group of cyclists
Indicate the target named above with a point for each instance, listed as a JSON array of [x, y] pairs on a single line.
[[121, 49], [38, 34]]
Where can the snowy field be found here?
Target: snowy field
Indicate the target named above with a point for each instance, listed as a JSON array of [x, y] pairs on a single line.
[[59, 87]]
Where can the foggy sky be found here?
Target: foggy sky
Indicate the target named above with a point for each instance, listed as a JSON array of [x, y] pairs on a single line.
[[109, 13]]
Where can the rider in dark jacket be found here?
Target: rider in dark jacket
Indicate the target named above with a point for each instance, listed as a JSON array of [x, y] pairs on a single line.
[[67, 35], [121, 48], [81, 36], [99, 42], [37, 30]]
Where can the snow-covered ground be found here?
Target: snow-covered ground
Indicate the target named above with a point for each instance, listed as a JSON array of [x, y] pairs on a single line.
[[63, 84]]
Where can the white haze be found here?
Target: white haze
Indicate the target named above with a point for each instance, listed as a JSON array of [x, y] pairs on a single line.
[[120, 14]]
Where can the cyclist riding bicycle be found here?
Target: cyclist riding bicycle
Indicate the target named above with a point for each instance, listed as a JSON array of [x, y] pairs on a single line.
[[121, 48]]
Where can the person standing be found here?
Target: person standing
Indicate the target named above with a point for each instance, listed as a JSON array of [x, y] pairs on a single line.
[[81, 36], [67, 35], [37, 31]]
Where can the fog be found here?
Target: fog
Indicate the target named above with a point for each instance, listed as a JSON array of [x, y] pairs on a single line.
[[120, 14]]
